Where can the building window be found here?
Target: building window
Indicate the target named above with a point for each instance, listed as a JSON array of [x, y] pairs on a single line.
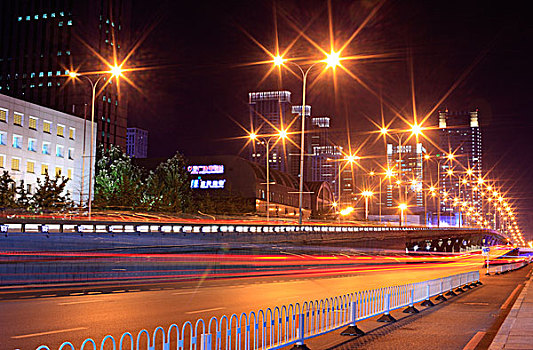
[[61, 130], [32, 145], [15, 164], [2, 160], [44, 169], [32, 123], [3, 138], [17, 119], [59, 171], [71, 133], [30, 167], [70, 173], [59, 151], [46, 148], [71, 153], [47, 126], [3, 115], [17, 141]]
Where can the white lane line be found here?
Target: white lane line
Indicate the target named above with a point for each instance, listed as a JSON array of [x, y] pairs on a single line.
[[184, 293], [47, 333], [204, 310], [79, 302]]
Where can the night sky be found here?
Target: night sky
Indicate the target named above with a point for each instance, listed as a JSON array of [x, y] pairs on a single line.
[[197, 89]]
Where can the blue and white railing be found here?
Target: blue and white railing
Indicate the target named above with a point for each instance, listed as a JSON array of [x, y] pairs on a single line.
[[278, 327], [498, 269]]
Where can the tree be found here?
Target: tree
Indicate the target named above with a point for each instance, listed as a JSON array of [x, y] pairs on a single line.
[[50, 193], [118, 182], [168, 187], [23, 197], [7, 191]]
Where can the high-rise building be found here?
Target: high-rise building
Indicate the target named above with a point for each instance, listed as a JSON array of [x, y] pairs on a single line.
[[460, 135], [406, 187], [325, 157], [137, 143], [43, 40], [270, 112]]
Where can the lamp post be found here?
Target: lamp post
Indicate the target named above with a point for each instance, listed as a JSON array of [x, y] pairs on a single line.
[[367, 194], [332, 60], [114, 71], [402, 208], [281, 135]]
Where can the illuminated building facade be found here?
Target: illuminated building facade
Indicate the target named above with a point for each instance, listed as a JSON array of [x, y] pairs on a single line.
[[409, 188], [42, 40], [325, 157], [460, 135], [137, 143], [36, 140], [269, 111]]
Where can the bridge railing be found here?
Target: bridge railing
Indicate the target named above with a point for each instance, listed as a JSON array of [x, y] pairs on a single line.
[[497, 269], [281, 326]]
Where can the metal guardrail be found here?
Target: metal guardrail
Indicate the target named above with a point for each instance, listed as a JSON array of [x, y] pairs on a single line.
[[278, 327], [498, 269]]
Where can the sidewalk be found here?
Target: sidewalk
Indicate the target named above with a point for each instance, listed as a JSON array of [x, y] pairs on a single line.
[[516, 330]]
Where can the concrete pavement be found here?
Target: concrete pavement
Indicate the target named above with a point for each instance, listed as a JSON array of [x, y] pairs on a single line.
[[516, 330]]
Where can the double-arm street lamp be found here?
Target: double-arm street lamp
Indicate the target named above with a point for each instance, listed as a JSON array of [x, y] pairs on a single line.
[[114, 71], [332, 60], [267, 138]]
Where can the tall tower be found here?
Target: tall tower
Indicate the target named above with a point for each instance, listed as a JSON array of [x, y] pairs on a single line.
[[42, 40], [269, 112], [460, 134], [325, 157], [410, 158]]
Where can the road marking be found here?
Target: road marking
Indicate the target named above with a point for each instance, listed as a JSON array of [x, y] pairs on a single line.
[[474, 341], [476, 303], [119, 291], [184, 293], [98, 292], [79, 302], [76, 293], [47, 333], [510, 298], [204, 310]]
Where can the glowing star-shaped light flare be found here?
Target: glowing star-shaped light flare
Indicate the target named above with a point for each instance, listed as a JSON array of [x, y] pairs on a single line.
[[115, 71], [416, 129], [333, 59], [278, 60]]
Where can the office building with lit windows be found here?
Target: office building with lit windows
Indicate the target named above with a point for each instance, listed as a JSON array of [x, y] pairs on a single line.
[[137, 143], [406, 186], [460, 135], [36, 140], [43, 40], [270, 111], [325, 157]]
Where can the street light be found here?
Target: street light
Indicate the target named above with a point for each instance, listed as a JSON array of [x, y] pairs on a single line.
[[332, 60], [402, 208], [282, 134], [367, 194], [114, 71]]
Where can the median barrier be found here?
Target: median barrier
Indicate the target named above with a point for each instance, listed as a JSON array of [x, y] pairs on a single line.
[[286, 325], [499, 269]]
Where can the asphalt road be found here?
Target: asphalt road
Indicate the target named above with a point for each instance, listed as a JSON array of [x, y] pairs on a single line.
[[28, 323]]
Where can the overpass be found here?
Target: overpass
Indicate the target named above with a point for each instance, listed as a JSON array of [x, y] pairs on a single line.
[[162, 233]]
